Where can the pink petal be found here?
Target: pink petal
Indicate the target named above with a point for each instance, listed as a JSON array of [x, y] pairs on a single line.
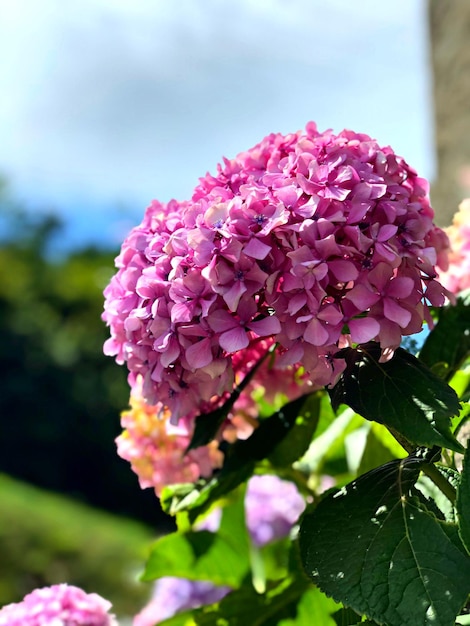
[[199, 354], [362, 297], [394, 312], [400, 287], [266, 327], [380, 275], [291, 356], [316, 333], [233, 295], [256, 249], [330, 314], [343, 270], [171, 353], [234, 340], [363, 329], [221, 321], [335, 193], [386, 232], [390, 334], [296, 303]]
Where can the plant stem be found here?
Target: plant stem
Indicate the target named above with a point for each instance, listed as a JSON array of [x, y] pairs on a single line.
[[429, 469], [439, 480]]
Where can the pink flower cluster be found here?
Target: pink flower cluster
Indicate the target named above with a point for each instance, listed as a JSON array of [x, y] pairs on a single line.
[[155, 448], [307, 242], [457, 276], [59, 605]]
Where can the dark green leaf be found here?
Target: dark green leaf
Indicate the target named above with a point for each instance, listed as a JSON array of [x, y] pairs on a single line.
[[463, 501], [207, 426], [346, 617], [239, 463], [221, 557], [299, 435], [402, 393], [377, 549], [449, 342]]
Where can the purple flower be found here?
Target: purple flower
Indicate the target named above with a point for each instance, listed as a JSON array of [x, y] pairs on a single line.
[[272, 507], [59, 605], [174, 595]]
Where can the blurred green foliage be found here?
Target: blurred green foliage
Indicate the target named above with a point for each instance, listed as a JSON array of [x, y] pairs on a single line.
[[47, 539], [60, 397]]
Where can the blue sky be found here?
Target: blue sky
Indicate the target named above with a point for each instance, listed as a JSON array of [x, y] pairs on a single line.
[[107, 104]]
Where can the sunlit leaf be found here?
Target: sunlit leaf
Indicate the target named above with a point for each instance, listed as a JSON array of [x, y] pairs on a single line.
[[377, 549], [463, 501], [402, 393], [239, 464], [221, 557]]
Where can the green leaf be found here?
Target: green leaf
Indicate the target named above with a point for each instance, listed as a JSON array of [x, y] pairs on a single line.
[[313, 608], [298, 435], [246, 607], [402, 393], [347, 617], [239, 463], [221, 557], [375, 453], [449, 342], [207, 426], [377, 549], [436, 501], [463, 501]]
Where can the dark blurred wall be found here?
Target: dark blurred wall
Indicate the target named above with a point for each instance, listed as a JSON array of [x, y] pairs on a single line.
[[450, 51]]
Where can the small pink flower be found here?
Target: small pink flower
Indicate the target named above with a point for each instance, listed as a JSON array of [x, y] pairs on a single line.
[[59, 605], [456, 271]]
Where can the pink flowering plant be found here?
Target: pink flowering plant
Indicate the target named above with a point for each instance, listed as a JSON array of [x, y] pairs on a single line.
[[59, 605], [264, 325]]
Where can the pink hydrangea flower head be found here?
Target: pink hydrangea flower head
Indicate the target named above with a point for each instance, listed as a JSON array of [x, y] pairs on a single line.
[[155, 448], [59, 605], [456, 272], [306, 242]]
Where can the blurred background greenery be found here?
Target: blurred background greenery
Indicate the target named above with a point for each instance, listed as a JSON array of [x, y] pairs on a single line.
[[60, 400]]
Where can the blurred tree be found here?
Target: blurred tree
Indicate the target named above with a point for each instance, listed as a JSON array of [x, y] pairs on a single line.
[[60, 397]]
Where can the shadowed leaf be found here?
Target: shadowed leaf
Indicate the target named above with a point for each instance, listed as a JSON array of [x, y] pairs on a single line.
[[402, 393], [376, 548]]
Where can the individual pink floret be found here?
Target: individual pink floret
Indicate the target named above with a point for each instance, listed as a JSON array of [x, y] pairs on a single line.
[[59, 605]]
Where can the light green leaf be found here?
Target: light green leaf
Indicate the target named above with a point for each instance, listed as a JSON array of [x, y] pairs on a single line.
[[463, 501], [221, 557]]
